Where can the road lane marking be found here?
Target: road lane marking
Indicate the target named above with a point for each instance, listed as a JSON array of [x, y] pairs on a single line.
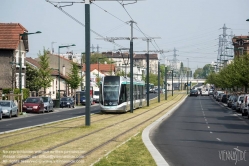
[[211, 132], [218, 139], [8, 125], [208, 127]]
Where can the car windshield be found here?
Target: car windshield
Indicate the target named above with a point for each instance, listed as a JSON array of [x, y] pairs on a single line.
[[32, 100], [5, 104], [96, 93], [65, 99], [45, 99]]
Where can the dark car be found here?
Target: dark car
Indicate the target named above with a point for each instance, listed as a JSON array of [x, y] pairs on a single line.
[[1, 113], [224, 98], [230, 101], [33, 104], [67, 102], [81, 98], [193, 92]]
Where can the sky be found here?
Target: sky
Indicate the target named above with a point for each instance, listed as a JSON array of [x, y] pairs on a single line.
[[192, 27]]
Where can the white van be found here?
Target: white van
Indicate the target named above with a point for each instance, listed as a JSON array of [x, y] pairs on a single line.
[[96, 96], [244, 105], [205, 92]]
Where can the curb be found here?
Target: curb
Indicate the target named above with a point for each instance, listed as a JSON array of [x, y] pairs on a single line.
[[160, 161]]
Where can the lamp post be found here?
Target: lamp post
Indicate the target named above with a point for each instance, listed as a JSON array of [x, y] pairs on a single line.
[[20, 57], [166, 83], [172, 81], [98, 66], [52, 48], [20, 66], [187, 75], [158, 82], [111, 66], [63, 46]]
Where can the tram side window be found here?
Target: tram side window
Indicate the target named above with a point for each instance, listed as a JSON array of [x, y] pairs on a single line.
[[128, 92], [134, 92], [140, 91], [122, 97]]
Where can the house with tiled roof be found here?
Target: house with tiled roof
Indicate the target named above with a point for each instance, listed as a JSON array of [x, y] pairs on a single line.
[[241, 45], [122, 61], [53, 89], [12, 45]]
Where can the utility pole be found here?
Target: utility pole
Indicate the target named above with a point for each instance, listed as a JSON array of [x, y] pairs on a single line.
[[131, 67], [87, 57], [187, 79]]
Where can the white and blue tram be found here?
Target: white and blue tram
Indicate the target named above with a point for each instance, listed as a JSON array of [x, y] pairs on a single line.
[[115, 94]]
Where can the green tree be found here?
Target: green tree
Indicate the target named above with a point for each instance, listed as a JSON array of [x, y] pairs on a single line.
[[74, 79], [95, 57], [44, 71], [32, 78]]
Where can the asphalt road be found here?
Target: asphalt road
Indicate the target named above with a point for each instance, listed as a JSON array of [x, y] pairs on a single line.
[[32, 119], [203, 132]]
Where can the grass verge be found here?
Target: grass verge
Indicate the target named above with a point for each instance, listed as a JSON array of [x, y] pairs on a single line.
[[133, 152]]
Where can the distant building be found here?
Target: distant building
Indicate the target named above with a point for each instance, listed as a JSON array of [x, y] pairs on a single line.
[[241, 45]]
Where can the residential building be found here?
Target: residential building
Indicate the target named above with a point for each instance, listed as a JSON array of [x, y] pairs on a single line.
[[12, 46], [241, 45], [53, 89]]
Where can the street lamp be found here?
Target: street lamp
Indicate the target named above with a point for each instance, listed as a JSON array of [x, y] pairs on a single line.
[[187, 75], [166, 82], [98, 66], [20, 65], [20, 57], [172, 81], [63, 46]]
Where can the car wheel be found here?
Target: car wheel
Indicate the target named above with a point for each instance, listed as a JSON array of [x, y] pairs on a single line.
[[10, 114], [1, 116], [43, 110]]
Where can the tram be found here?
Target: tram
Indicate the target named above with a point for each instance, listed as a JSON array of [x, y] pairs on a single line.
[[114, 94]]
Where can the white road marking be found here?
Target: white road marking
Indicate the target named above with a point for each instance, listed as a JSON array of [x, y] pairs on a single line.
[[8, 124], [218, 139], [208, 127], [211, 132]]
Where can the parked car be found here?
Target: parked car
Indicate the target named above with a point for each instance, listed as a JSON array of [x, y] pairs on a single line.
[[9, 108], [230, 101], [193, 92], [224, 98], [244, 105], [67, 102], [48, 104], [33, 104], [234, 102], [82, 98], [96, 96], [238, 102], [1, 113], [219, 95], [210, 92]]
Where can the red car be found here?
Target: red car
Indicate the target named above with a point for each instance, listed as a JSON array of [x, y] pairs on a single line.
[[33, 104]]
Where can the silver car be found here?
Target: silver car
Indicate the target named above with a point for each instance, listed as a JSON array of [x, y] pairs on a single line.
[[9, 108], [48, 104]]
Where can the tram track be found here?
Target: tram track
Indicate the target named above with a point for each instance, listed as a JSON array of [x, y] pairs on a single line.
[[56, 132], [96, 131], [114, 138]]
